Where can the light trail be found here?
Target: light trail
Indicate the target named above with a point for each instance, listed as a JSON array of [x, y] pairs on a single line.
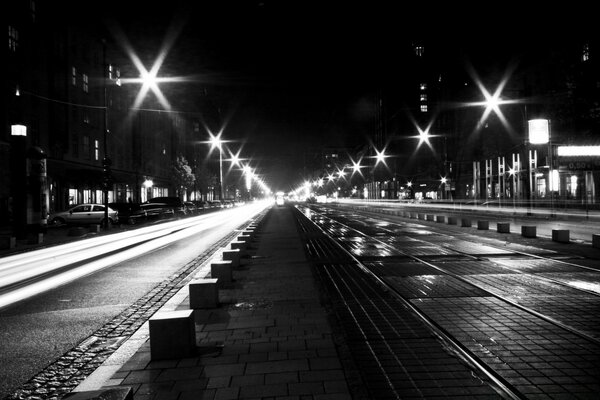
[[16, 271]]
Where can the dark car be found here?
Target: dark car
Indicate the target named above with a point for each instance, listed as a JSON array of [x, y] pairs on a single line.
[[129, 213], [172, 202], [156, 211], [191, 208]]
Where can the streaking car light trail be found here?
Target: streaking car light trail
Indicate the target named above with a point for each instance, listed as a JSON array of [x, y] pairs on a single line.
[[18, 273]]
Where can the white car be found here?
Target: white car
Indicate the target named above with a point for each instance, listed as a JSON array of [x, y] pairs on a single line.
[[83, 214]]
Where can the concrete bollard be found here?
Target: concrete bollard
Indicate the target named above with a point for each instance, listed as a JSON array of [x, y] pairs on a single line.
[[452, 220], [503, 227], [76, 231], [440, 218], [529, 231], [35, 238], [465, 222], [113, 393], [172, 335], [561, 235], [8, 242], [430, 217], [233, 256], [204, 293], [238, 245], [483, 225], [596, 241], [222, 270]]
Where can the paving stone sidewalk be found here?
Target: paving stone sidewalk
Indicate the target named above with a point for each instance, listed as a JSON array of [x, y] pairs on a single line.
[[269, 338]]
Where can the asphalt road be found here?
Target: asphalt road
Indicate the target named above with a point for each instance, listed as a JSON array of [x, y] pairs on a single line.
[[37, 331]]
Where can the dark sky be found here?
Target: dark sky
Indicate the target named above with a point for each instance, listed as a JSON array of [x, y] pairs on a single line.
[[292, 75]]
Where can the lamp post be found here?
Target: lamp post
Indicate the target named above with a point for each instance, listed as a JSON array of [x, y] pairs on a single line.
[[106, 160], [216, 141]]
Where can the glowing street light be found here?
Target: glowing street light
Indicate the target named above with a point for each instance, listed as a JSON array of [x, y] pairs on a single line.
[[380, 156], [215, 141]]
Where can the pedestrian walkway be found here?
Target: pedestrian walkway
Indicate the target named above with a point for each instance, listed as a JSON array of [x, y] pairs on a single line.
[[269, 338]]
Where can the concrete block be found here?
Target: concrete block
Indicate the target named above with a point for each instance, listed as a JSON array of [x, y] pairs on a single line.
[[244, 238], [95, 228], [596, 241], [222, 270], [116, 393], [232, 255], [421, 216], [503, 227], [529, 231], [35, 238], [483, 225], [465, 222], [430, 217], [440, 218], [204, 293], [8, 242], [561, 235], [172, 335], [238, 245], [76, 231], [452, 220]]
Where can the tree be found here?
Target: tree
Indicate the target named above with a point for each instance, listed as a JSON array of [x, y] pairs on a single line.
[[182, 175]]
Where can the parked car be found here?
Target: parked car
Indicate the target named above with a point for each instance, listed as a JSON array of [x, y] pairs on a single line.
[[156, 211], [173, 202], [83, 214], [190, 207], [129, 213]]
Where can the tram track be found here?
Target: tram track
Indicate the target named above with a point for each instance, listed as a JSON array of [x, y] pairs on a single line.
[[376, 238]]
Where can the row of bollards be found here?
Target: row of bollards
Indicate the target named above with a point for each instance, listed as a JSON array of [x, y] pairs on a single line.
[[528, 231], [173, 333]]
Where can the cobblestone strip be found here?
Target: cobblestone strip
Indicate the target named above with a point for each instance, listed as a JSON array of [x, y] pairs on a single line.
[[63, 375]]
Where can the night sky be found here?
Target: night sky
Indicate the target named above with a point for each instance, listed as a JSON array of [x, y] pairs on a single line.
[[294, 75]]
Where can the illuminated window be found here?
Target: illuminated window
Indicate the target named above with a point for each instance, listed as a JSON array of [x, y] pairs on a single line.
[[74, 76], [586, 52], [419, 50], [423, 86], [424, 108], [423, 97], [114, 73], [86, 117], [13, 38], [96, 150], [85, 79]]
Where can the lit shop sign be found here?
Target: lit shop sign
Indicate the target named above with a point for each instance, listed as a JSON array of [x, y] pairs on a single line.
[[582, 158], [578, 151], [539, 132]]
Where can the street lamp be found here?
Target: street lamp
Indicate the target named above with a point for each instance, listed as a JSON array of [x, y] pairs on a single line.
[[216, 141]]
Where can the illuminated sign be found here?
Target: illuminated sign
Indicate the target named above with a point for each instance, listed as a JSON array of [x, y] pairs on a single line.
[[539, 132], [578, 151]]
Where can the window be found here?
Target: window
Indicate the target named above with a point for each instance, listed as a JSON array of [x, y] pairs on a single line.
[[419, 51], [586, 52], [424, 108], [13, 38], [423, 96], [32, 9], [96, 150], [423, 86], [114, 73], [86, 117], [85, 79], [74, 76], [86, 147]]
